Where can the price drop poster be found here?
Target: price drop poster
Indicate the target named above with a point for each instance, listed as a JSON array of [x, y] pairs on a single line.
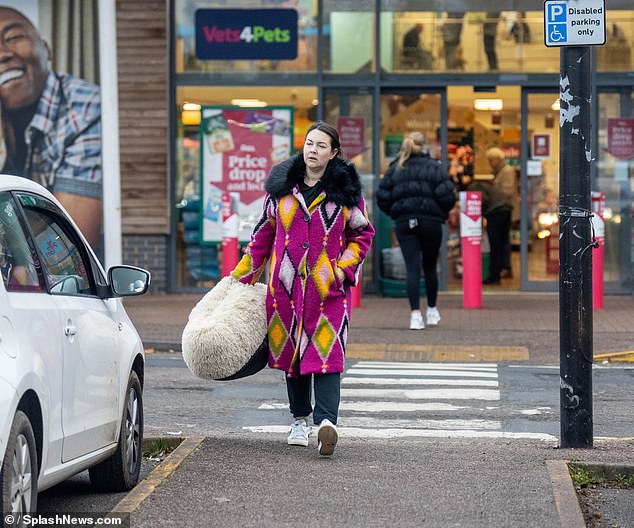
[[239, 147]]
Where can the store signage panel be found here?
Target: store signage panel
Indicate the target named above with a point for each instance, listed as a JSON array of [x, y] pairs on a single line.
[[541, 146], [621, 137], [238, 149], [574, 22], [246, 34], [351, 135]]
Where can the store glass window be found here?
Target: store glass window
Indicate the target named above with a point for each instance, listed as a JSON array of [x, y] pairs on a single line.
[[197, 263], [419, 37], [615, 179], [351, 113], [185, 41], [348, 36], [617, 54]]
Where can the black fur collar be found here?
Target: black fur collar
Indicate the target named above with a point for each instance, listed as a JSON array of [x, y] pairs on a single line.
[[341, 180]]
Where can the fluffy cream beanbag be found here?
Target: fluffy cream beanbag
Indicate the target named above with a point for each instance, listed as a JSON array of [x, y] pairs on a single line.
[[225, 337]]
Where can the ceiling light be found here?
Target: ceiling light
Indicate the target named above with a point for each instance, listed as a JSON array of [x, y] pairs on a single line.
[[195, 107], [555, 105], [248, 103], [488, 104]]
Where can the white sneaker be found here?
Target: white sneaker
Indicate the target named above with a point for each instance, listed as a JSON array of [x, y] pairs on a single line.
[[416, 321], [299, 433], [432, 316], [327, 438]]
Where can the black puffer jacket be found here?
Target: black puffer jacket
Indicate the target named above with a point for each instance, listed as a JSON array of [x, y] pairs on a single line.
[[419, 189]]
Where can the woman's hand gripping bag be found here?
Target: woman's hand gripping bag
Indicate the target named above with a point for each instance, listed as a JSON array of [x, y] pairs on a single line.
[[225, 337]]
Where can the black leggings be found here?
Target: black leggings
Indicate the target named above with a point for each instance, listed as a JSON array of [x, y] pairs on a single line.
[[423, 238]]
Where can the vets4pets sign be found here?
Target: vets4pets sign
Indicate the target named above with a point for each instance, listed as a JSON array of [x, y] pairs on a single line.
[[246, 34]]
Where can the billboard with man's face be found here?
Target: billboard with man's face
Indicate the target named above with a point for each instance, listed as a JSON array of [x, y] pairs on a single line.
[[50, 104]]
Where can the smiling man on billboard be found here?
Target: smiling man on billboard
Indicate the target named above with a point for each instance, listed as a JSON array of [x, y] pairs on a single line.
[[51, 129]]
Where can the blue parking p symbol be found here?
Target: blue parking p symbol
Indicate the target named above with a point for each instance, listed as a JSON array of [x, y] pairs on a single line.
[[557, 12]]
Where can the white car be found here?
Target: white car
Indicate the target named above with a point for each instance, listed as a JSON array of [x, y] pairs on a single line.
[[71, 362]]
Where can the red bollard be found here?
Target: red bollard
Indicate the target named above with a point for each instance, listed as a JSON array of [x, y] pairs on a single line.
[[470, 243], [598, 205], [230, 245]]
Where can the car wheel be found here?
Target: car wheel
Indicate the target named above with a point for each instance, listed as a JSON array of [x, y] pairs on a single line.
[[121, 471], [19, 469]]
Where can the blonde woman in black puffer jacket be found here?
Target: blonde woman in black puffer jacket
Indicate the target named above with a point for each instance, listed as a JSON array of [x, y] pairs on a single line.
[[418, 195]]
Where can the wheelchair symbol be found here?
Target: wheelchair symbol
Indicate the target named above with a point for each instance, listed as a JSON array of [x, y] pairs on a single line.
[[555, 36], [557, 33]]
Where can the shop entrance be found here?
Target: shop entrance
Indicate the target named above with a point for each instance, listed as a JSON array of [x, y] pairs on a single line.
[[403, 112], [461, 123], [539, 172]]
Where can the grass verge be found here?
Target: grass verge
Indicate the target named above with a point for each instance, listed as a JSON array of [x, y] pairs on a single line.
[[592, 480]]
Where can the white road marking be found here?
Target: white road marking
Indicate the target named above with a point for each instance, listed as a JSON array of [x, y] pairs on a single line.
[[407, 364], [537, 410], [363, 398], [368, 422], [431, 372], [397, 406], [358, 432], [417, 381], [423, 394]]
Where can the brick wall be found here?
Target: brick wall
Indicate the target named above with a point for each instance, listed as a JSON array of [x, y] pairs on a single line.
[[148, 252]]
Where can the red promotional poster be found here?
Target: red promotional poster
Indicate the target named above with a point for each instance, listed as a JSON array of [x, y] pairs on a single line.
[[238, 149], [471, 240], [351, 135], [621, 137], [541, 146]]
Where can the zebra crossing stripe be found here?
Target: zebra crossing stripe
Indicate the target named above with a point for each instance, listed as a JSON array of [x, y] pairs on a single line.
[[379, 406], [420, 373], [368, 422], [491, 367], [423, 394], [417, 381]]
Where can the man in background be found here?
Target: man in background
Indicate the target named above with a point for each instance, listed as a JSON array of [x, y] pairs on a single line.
[[505, 179], [51, 123]]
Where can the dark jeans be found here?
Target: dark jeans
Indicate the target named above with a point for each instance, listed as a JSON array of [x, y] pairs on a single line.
[[327, 395], [423, 239], [489, 48], [498, 229]]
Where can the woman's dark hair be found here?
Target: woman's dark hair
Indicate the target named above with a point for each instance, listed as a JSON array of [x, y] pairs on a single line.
[[332, 133]]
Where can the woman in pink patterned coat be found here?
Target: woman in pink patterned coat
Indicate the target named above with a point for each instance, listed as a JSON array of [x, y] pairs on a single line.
[[315, 231]]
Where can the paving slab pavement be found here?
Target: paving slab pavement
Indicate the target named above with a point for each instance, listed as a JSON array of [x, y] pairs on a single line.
[[426, 482], [239, 480]]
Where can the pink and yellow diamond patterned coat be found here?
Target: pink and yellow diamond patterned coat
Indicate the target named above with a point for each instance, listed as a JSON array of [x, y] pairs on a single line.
[[308, 308]]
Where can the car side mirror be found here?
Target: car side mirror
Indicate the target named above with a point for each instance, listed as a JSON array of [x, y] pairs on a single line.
[[126, 281]]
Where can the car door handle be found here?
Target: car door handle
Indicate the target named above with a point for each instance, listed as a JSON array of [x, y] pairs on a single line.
[[70, 330]]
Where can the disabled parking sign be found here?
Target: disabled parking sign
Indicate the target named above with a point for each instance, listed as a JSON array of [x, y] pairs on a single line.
[[574, 22]]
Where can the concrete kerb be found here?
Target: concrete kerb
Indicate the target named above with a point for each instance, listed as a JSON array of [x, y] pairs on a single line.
[[133, 500], [566, 500]]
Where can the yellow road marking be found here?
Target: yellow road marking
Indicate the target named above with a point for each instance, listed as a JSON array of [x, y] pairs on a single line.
[[133, 500], [626, 356], [386, 351]]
